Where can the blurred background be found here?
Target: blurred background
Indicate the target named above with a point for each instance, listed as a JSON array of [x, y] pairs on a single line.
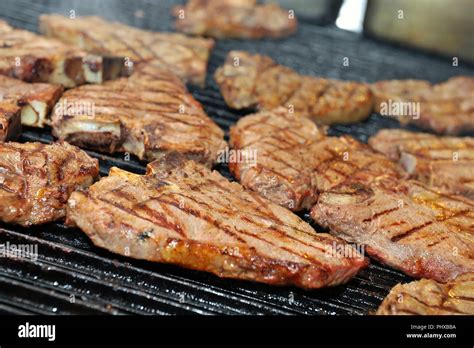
[[444, 27]]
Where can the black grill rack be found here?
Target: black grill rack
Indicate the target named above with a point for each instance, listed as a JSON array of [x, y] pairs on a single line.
[[71, 276]]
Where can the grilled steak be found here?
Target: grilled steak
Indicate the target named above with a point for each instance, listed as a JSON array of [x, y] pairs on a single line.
[[234, 19], [10, 121], [148, 114], [427, 297], [186, 57], [443, 162], [404, 224], [35, 99], [255, 81], [446, 108], [295, 161], [36, 180], [182, 213], [33, 58]]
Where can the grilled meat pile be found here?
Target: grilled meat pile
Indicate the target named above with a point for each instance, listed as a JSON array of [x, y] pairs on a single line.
[[36, 180], [180, 212], [35, 99], [443, 162], [427, 297], [256, 81], [296, 161], [445, 108], [234, 19], [10, 121], [34, 58], [186, 57], [148, 114]]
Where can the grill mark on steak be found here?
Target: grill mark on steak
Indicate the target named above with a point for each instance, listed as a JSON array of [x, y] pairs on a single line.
[[380, 214], [411, 231]]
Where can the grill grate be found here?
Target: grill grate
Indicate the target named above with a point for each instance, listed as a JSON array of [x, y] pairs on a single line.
[[71, 276]]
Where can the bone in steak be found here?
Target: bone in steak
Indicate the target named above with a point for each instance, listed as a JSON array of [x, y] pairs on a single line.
[[445, 108], [148, 114], [256, 81], [34, 58], [35, 99], [37, 179], [427, 297], [296, 161], [234, 19], [404, 224], [440, 161], [10, 121], [182, 213], [187, 57]]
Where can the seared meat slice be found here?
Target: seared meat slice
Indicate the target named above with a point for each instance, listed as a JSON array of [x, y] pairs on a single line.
[[427, 297], [234, 19], [445, 108], [255, 81], [35, 99], [33, 58], [187, 57], [10, 121], [36, 180], [182, 213], [148, 114], [406, 225], [295, 161], [443, 162]]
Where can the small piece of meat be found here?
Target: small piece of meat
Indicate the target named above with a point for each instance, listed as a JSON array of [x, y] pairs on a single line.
[[182, 213], [294, 160], [445, 108], [187, 57], [443, 162], [148, 114], [427, 297], [33, 58], [10, 121], [255, 81], [35, 99], [234, 19], [37, 179], [404, 224]]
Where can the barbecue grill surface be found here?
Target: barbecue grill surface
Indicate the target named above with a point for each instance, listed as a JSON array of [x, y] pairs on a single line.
[[71, 276]]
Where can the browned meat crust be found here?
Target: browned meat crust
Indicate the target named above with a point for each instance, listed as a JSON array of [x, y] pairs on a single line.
[[443, 162], [295, 161], [34, 58], [148, 114], [406, 225], [36, 180], [35, 99], [427, 297], [10, 121], [182, 213], [445, 108], [234, 19], [186, 57], [256, 81]]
